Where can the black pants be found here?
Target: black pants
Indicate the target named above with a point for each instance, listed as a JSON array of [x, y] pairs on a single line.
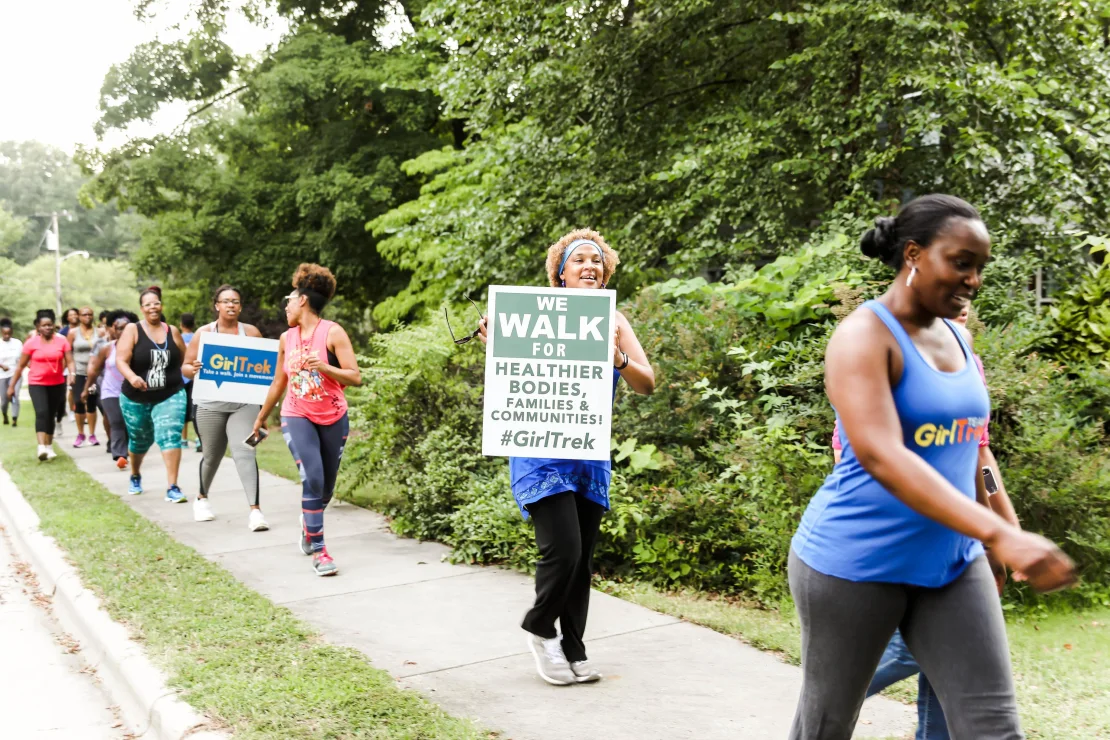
[[79, 382], [50, 403], [566, 533]]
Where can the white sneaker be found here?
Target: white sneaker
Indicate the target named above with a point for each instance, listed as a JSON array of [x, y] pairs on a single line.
[[42, 452], [70, 416], [551, 664], [257, 522], [202, 512], [50, 454]]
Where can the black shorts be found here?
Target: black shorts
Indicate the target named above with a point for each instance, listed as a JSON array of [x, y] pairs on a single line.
[[78, 387]]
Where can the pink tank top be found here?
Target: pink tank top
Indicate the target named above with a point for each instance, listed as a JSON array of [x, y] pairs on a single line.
[[311, 394]]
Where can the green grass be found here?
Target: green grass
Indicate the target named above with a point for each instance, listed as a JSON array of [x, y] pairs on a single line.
[[234, 655], [1061, 660]]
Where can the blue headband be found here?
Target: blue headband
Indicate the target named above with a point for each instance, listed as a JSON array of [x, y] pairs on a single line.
[[575, 245]]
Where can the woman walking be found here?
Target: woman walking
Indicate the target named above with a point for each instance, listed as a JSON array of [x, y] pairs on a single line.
[[567, 498], [10, 350], [104, 374], [149, 356], [895, 538], [315, 361], [48, 356], [222, 423], [83, 341]]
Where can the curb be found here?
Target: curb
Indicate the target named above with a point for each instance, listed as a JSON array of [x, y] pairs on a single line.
[[150, 707]]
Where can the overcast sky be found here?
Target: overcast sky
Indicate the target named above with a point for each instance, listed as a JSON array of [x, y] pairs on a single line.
[[54, 55]]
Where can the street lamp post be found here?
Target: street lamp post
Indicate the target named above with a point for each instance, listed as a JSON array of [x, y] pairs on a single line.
[[54, 244]]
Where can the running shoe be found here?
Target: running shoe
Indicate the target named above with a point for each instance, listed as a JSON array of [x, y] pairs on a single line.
[[93, 441], [323, 564], [306, 543], [175, 496], [79, 440], [584, 672], [50, 454], [551, 664], [121, 463], [135, 485], [257, 522], [202, 512], [58, 429], [42, 452]]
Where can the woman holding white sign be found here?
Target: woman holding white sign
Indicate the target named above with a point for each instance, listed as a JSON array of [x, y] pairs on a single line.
[[316, 361], [566, 498], [223, 423]]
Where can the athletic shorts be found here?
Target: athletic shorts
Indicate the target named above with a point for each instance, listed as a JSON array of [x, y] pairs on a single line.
[[154, 423]]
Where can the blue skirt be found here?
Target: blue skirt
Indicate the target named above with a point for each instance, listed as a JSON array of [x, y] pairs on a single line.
[[535, 478]]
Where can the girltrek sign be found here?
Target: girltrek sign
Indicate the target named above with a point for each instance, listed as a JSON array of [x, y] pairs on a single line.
[[549, 373], [235, 368]]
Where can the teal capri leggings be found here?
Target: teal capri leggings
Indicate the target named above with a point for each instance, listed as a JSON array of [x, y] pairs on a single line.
[[154, 423]]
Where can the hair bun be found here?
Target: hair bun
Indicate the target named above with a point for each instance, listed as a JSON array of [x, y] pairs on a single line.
[[155, 290], [879, 242]]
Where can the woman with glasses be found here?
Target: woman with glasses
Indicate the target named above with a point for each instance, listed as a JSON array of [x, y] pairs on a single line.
[[149, 356], [84, 341], [315, 362], [566, 498], [48, 356], [223, 423], [104, 374]]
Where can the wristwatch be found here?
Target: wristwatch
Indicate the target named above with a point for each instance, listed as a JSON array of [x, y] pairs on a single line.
[[622, 367]]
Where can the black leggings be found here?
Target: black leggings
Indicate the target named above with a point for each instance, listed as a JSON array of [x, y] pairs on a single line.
[[50, 403], [955, 632], [566, 532]]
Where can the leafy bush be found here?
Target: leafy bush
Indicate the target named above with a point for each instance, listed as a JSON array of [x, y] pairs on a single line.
[[712, 472]]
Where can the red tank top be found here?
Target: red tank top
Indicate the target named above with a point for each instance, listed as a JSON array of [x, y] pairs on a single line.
[[311, 394]]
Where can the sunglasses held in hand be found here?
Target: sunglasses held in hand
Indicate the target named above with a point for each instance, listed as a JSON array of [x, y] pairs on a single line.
[[473, 334]]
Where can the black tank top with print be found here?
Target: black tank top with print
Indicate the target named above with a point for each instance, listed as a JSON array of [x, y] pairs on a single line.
[[158, 364]]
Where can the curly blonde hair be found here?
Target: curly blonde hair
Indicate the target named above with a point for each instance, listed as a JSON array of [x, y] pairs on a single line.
[[610, 260]]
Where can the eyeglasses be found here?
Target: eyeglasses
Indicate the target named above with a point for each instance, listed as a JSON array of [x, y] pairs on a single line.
[[231, 302], [473, 334], [152, 305], [89, 315]]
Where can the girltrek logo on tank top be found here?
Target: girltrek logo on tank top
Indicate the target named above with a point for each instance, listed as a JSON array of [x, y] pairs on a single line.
[[159, 361], [961, 431]]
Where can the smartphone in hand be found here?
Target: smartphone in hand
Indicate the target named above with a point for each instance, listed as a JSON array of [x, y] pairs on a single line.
[[254, 439], [989, 481]]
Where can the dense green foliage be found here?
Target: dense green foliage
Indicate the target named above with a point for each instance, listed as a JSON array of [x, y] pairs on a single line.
[[726, 453], [730, 151]]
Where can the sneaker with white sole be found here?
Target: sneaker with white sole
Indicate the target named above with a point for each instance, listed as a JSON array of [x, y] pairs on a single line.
[[202, 512], [551, 664], [584, 672], [78, 440], [135, 485], [174, 495], [257, 522], [50, 454], [42, 452]]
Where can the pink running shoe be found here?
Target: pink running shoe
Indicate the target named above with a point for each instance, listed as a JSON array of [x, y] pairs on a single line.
[[93, 441], [323, 564], [80, 440]]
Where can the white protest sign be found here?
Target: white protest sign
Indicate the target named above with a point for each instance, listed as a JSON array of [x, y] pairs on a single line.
[[234, 368], [549, 373]]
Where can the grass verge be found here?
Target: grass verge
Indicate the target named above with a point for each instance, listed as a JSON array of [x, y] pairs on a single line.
[[1061, 660], [234, 655]]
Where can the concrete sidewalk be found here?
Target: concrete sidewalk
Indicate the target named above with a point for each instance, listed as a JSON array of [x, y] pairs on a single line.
[[453, 632]]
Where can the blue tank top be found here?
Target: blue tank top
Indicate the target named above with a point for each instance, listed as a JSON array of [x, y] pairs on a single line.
[[855, 529], [535, 478]]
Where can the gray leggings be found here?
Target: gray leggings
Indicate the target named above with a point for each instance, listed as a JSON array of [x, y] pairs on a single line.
[[117, 437], [216, 430], [956, 633], [4, 395]]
